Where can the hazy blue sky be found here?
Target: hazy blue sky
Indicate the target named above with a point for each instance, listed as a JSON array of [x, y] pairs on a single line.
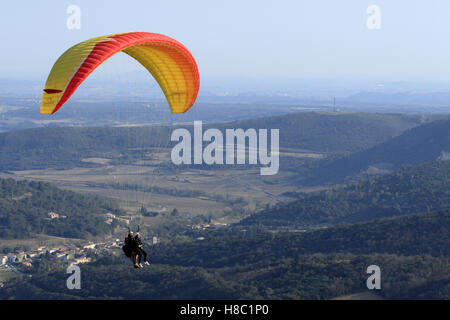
[[257, 39]]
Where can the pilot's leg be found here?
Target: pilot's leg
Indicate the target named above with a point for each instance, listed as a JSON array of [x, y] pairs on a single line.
[[144, 254]]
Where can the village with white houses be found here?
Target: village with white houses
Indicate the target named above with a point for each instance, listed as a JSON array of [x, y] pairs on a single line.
[[68, 254], [22, 260], [71, 254], [78, 252]]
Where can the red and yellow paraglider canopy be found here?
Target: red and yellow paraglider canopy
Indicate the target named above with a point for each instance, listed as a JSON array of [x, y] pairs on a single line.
[[170, 63]]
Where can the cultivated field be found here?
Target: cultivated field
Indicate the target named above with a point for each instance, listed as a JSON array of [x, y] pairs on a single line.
[[146, 182]]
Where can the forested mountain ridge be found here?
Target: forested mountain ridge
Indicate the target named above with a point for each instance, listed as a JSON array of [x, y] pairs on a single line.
[[416, 234], [65, 147], [425, 143], [414, 189], [334, 132]]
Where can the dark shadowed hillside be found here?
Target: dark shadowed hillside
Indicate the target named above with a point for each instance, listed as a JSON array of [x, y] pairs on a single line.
[[424, 233], [335, 132], [414, 189], [421, 144]]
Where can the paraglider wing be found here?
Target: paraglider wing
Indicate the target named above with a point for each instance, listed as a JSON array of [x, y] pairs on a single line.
[[170, 63]]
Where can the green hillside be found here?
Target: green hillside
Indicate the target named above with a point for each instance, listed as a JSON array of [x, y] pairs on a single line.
[[334, 132], [24, 208], [425, 233], [417, 189], [425, 143]]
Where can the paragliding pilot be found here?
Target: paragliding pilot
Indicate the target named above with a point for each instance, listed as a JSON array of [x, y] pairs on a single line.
[[133, 248]]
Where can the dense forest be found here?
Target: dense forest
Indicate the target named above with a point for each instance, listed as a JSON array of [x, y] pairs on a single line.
[[417, 145], [412, 252], [426, 233], [415, 189], [24, 208]]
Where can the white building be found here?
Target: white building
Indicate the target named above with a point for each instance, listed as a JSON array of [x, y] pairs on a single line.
[[53, 215], [89, 246]]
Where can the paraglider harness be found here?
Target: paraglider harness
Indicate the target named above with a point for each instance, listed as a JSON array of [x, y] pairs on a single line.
[[133, 249]]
